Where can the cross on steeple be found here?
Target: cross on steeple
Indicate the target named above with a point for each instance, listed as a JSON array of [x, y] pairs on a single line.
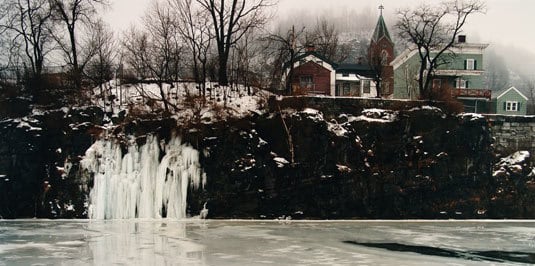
[[381, 7]]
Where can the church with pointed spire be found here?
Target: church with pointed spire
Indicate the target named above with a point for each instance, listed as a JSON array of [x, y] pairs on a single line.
[[311, 73], [380, 57]]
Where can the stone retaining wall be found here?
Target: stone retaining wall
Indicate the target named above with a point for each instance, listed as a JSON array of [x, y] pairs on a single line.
[[512, 133], [334, 106]]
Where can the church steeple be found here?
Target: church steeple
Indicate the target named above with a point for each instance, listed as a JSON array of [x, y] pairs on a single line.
[[381, 31], [380, 57]]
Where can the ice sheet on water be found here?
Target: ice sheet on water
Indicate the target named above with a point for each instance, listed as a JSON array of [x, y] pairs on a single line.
[[223, 242]]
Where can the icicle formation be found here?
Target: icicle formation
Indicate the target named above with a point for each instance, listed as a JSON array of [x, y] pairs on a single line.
[[139, 184]]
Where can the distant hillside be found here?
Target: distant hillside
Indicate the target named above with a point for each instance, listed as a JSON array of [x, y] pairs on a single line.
[[520, 63]]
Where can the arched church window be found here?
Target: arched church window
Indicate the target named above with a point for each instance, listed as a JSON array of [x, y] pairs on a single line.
[[384, 57]]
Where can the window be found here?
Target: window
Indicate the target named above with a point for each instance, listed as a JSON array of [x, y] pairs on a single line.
[[345, 74], [511, 106], [346, 89], [461, 84], [437, 83], [470, 64], [366, 86], [305, 81], [384, 58], [385, 86]]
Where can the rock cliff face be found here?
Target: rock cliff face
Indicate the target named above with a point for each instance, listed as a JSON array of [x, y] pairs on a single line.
[[412, 164], [418, 163], [36, 180]]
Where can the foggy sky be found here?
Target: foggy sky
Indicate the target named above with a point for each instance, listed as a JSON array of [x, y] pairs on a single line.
[[507, 22]]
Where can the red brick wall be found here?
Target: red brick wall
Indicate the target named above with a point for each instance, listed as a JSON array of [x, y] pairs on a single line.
[[387, 71], [321, 76], [387, 45]]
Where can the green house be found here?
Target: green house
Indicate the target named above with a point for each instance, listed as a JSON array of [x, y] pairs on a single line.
[[510, 102], [460, 72]]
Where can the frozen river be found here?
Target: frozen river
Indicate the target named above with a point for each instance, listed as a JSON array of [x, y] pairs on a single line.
[[194, 242]]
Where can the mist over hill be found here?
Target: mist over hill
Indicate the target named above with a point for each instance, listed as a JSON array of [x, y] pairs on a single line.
[[509, 65]]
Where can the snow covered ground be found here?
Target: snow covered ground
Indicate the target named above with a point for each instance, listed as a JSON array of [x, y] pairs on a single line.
[[185, 100]]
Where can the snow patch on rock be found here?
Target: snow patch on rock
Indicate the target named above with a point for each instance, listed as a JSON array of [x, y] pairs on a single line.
[[512, 164], [337, 129], [313, 114], [471, 116], [515, 158], [281, 162], [375, 115]]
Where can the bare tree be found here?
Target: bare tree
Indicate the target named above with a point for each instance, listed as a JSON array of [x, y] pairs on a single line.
[[377, 63], [155, 51], [194, 27], [101, 66], [247, 50], [135, 44], [70, 13], [29, 24], [326, 39], [231, 19], [433, 31], [408, 81], [283, 48]]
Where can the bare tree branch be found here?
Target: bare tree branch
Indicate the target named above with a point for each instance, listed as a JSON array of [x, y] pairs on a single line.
[[231, 20], [434, 30], [29, 24], [155, 51], [194, 25], [70, 13], [286, 50]]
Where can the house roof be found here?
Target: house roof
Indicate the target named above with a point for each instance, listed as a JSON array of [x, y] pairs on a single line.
[[313, 53], [360, 69], [457, 49], [501, 93], [381, 30]]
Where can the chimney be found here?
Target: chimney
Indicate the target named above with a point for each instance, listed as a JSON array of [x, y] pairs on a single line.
[[310, 48], [462, 39]]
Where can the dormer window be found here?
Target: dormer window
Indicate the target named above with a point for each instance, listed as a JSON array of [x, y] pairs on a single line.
[[470, 64]]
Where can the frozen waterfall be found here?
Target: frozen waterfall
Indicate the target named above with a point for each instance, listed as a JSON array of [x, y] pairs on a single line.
[[139, 184]]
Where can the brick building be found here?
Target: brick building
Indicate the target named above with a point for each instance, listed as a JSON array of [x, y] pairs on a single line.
[[313, 74], [380, 57]]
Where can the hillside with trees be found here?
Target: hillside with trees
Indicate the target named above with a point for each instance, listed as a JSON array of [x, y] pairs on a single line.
[[62, 53]]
